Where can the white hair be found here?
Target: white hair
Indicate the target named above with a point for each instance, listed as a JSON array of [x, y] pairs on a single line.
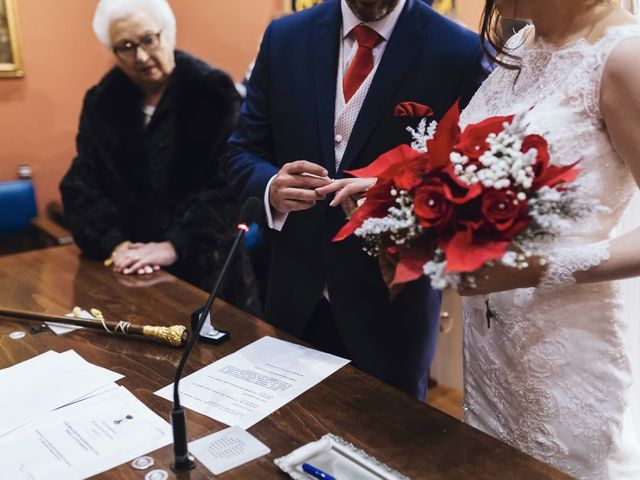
[[110, 10]]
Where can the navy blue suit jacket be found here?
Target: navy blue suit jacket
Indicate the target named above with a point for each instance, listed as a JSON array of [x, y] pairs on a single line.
[[289, 115]]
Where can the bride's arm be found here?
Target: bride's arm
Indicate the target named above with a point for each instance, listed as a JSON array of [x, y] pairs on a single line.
[[620, 106]]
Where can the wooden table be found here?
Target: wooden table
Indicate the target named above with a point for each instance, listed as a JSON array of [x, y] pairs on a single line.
[[408, 435]]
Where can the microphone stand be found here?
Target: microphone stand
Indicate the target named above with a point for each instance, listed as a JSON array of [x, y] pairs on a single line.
[[183, 461]]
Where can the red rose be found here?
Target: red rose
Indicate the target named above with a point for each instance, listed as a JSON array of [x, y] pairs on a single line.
[[503, 210], [431, 203], [410, 174], [445, 137]]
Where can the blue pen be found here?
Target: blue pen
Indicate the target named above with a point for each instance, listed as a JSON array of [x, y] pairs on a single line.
[[316, 472]]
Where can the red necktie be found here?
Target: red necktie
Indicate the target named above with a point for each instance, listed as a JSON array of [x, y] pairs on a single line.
[[362, 62]]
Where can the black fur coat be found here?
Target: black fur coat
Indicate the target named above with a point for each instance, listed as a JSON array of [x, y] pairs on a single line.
[[163, 181]]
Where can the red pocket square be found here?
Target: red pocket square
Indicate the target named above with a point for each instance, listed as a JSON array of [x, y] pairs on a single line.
[[412, 109]]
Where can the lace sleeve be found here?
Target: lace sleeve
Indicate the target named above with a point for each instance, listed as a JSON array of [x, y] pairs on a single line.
[[565, 261]]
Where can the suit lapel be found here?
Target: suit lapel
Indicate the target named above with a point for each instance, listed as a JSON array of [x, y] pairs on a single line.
[[324, 52], [397, 58]]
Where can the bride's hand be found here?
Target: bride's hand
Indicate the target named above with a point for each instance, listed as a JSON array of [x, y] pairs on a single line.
[[499, 278], [349, 191]]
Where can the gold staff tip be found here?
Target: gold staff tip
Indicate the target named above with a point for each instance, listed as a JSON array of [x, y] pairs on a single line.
[[175, 335]]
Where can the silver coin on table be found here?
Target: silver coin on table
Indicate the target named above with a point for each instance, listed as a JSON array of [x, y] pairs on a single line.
[[142, 463], [157, 475], [17, 335]]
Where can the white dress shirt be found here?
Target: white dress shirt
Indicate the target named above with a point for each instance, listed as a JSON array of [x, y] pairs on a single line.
[[348, 49]]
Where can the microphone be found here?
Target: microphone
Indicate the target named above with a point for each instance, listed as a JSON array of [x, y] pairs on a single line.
[[183, 461]]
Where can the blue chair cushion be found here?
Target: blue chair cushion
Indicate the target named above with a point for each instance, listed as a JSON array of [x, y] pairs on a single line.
[[17, 205], [253, 238]]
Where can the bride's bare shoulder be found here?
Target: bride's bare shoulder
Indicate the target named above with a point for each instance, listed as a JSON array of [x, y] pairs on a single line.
[[620, 88], [616, 17], [626, 52], [623, 63]]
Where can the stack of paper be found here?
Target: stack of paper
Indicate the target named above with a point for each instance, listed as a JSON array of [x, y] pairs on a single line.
[[46, 382], [83, 439], [62, 417]]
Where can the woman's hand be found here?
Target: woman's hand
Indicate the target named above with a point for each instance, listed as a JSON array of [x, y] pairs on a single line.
[[137, 281], [349, 191], [499, 278], [144, 258]]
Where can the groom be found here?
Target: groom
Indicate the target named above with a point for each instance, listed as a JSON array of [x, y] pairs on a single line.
[[320, 101]]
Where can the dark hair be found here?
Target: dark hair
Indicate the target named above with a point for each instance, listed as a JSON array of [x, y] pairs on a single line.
[[493, 40]]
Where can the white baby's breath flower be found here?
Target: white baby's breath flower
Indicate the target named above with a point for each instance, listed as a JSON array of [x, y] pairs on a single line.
[[422, 135], [503, 164], [458, 159], [400, 225]]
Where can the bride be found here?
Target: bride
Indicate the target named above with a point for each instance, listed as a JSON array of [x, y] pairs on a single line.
[[552, 374]]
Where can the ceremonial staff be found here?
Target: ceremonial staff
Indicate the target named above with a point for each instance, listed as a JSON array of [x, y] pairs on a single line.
[[176, 335]]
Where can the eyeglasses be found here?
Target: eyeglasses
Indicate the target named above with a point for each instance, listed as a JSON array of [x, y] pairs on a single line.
[[129, 50]]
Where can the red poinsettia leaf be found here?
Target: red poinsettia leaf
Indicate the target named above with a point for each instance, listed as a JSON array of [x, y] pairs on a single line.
[[555, 175], [473, 140], [516, 228], [410, 265], [463, 254], [388, 262], [541, 145], [376, 205], [445, 137], [380, 165]]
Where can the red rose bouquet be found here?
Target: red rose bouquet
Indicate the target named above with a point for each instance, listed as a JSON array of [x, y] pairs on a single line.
[[457, 200]]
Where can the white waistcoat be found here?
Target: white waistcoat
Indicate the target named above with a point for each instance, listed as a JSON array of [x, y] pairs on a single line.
[[347, 113]]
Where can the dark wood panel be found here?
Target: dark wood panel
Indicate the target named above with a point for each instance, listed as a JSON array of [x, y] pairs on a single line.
[[410, 436]]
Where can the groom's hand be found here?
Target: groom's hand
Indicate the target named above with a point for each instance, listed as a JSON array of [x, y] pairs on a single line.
[[293, 188]]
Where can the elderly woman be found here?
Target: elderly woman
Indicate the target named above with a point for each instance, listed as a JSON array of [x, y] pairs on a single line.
[[145, 190]]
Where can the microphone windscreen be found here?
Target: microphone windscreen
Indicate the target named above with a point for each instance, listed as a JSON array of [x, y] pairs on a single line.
[[250, 210]]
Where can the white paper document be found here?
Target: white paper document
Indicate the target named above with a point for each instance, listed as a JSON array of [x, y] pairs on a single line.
[[63, 328], [46, 382], [227, 449], [246, 386], [83, 439]]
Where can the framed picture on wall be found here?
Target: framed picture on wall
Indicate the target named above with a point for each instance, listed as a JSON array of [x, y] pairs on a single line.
[[297, 5], [444, 6], [10, 50]]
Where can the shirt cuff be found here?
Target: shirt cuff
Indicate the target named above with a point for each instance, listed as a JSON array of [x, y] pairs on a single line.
[[275, 219]]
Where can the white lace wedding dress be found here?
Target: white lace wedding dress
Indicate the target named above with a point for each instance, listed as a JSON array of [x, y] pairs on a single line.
[[552, 375]]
